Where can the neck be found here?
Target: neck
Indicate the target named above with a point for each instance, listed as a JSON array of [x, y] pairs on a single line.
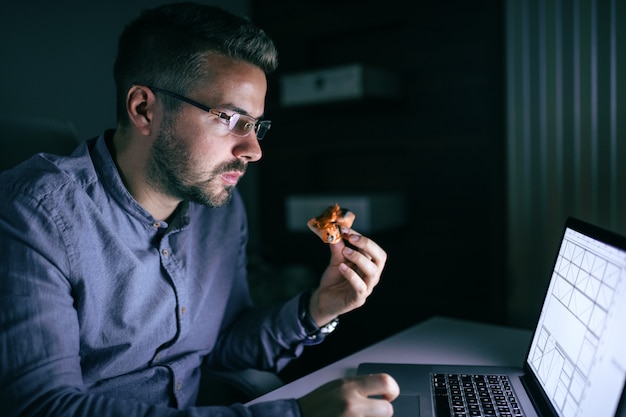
[[131, 155]]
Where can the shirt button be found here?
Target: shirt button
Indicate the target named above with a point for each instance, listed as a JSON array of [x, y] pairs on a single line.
[[156, 224], [165, 252], [178, 386], [182, 310], [157, 358]]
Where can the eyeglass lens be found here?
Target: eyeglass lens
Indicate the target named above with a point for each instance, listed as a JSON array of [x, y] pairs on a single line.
[[243, 125]]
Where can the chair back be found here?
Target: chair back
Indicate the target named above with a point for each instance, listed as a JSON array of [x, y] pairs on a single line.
[[21, 137]]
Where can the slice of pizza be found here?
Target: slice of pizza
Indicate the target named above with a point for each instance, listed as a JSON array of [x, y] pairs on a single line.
[[328, 224]]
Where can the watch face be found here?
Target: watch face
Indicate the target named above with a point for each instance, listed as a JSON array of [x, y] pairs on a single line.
[[321, 333], [330, 327]]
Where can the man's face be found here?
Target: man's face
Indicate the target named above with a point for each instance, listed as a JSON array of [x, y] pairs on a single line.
[[194, 156]]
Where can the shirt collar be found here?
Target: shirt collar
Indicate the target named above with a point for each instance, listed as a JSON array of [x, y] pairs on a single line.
[[112, 181]]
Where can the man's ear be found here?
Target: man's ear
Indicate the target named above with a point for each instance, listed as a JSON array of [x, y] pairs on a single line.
[[140, 102]]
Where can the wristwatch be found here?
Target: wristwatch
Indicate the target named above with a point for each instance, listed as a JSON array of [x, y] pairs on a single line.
[[314, 334]]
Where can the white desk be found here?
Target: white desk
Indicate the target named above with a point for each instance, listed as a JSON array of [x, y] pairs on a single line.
[[437, 340]]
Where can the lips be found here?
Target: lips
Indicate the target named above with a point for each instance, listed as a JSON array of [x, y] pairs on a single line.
[[231, 177]]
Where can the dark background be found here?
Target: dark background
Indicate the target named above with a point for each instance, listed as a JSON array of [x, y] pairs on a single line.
[[440, 144]]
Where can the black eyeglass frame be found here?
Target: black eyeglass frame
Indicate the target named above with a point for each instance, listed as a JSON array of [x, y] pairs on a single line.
[[260, 127]]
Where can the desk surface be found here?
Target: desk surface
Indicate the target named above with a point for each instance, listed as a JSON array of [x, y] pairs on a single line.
[[437, 341]]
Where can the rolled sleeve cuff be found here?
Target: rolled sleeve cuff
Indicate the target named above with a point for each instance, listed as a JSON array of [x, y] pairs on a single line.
[[282, 408]]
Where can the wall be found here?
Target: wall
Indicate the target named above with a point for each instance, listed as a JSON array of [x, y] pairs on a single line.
[[57, 58], [566, 66], [440, 144]]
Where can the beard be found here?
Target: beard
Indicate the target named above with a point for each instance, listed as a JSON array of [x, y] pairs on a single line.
[[170, 171]]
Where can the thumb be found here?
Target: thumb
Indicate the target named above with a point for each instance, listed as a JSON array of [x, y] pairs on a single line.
[[383, 385], [336, 249]]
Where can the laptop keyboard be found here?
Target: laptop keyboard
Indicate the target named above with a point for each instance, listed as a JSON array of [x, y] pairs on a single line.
[[460, 395]]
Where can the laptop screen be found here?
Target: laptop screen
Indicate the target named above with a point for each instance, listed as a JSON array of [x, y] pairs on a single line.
[[578, 351]]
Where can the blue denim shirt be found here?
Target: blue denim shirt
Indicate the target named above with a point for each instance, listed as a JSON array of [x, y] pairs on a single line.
[[105, 311]]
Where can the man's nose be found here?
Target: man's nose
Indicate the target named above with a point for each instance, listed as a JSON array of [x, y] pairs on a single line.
[[248, 148]]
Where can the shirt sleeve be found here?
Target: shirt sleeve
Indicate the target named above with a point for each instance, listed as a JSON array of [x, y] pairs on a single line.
[[265, 339], [40, 362]]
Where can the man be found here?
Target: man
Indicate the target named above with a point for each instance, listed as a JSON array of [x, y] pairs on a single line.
[[123, 266]]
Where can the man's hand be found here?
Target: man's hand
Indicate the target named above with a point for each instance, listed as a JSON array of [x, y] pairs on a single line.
[[354, 270], [351, 397]]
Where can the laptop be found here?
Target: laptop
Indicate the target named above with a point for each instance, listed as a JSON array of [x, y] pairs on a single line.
[[576, 361]]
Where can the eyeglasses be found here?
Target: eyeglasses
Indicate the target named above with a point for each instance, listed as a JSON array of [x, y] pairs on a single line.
[[238, 124]]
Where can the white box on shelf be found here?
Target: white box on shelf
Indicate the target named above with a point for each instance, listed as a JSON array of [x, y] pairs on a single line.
[[374, 212], [348, 82]]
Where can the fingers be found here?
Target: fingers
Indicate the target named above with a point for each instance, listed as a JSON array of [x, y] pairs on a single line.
[[365, 261], [352, 397], [355, 268], [366, 246], [379, 385]]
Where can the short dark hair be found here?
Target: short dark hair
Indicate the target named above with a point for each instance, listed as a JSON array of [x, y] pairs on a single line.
[[166, 47]]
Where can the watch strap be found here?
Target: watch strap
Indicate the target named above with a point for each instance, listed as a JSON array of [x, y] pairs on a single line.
[[314, 333]]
